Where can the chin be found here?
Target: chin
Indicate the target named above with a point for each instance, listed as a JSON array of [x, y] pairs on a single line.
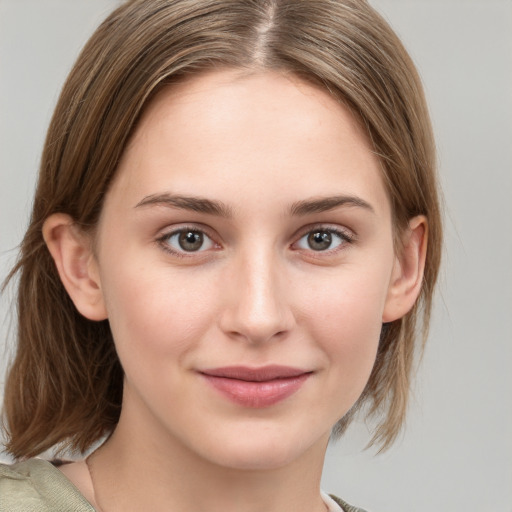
[[261, 449], [255, 460]]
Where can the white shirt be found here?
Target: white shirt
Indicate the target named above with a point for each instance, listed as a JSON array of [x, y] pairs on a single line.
[[332, 506]]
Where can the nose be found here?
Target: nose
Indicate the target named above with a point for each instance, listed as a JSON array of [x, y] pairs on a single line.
[[257, 307]]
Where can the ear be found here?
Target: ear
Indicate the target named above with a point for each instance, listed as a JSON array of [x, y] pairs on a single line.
[[407, 275], [72, 252]]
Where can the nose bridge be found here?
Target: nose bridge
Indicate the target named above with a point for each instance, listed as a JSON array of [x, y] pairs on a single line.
[[258, 309]]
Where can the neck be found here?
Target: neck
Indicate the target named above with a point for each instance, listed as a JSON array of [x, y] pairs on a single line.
[[132, 471]]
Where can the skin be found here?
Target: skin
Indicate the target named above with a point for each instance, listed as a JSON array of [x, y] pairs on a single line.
[[255, 293]]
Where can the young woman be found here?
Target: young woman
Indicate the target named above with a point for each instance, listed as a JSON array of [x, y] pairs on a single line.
[[235, 229]]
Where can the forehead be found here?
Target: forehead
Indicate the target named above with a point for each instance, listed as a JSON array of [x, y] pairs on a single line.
[[241, 135]]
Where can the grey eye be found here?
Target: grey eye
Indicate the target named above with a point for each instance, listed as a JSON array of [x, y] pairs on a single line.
[[321, 240], [188, 240]]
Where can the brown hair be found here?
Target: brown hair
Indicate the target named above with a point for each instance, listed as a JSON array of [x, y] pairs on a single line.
[[64, 386]]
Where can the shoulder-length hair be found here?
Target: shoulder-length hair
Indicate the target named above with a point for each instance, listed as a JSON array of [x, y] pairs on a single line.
[[64, 386]]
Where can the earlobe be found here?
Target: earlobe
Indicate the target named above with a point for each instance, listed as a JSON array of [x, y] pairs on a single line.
[[407, 276], [71, 250]]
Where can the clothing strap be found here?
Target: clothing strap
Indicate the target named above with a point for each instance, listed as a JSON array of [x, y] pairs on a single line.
[[345, 506]]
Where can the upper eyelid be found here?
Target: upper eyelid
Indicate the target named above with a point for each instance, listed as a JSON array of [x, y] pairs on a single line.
[[169, 231], [334, 228]]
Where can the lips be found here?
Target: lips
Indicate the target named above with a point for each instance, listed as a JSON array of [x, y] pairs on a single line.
[[256, 387]]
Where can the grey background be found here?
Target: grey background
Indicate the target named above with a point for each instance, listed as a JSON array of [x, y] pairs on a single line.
[[456, 452]]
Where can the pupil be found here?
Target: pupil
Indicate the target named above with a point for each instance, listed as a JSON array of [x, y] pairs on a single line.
[[191, 240], [320, 240]]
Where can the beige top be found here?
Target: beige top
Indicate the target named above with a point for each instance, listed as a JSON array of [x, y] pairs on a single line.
[[36, 485]]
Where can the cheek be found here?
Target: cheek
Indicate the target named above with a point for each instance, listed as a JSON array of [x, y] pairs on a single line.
[[345, 319], [348, 331], [349, 302], [154, 312]]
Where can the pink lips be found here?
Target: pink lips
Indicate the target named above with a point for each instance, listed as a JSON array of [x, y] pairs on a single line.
[[256, 387]]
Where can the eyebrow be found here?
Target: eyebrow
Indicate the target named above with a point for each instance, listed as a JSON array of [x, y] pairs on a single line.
[[325, 204], [192, 203], [212, 207]]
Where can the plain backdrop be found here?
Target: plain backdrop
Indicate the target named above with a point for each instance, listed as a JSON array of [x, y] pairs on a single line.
[[456, 452]]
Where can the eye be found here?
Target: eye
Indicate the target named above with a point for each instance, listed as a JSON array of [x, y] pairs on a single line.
[[186, 241], [319, 240]]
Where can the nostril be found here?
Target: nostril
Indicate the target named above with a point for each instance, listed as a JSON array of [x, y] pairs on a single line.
[[255, 308], [253, 331]]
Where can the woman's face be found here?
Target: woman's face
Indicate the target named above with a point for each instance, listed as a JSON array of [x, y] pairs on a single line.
[[244, 255]]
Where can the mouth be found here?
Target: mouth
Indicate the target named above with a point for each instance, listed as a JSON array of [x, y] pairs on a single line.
[[256, 387]]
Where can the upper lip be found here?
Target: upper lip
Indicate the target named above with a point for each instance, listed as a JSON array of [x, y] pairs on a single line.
[[261, 374]]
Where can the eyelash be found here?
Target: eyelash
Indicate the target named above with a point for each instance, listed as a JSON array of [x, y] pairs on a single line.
[[345, 237], [163, 241]]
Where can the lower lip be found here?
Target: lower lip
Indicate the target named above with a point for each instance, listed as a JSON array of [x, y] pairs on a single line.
[[257, 394]]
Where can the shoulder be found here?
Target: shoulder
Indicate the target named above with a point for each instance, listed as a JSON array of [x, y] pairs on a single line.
[[36, 485], [345, 506]]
